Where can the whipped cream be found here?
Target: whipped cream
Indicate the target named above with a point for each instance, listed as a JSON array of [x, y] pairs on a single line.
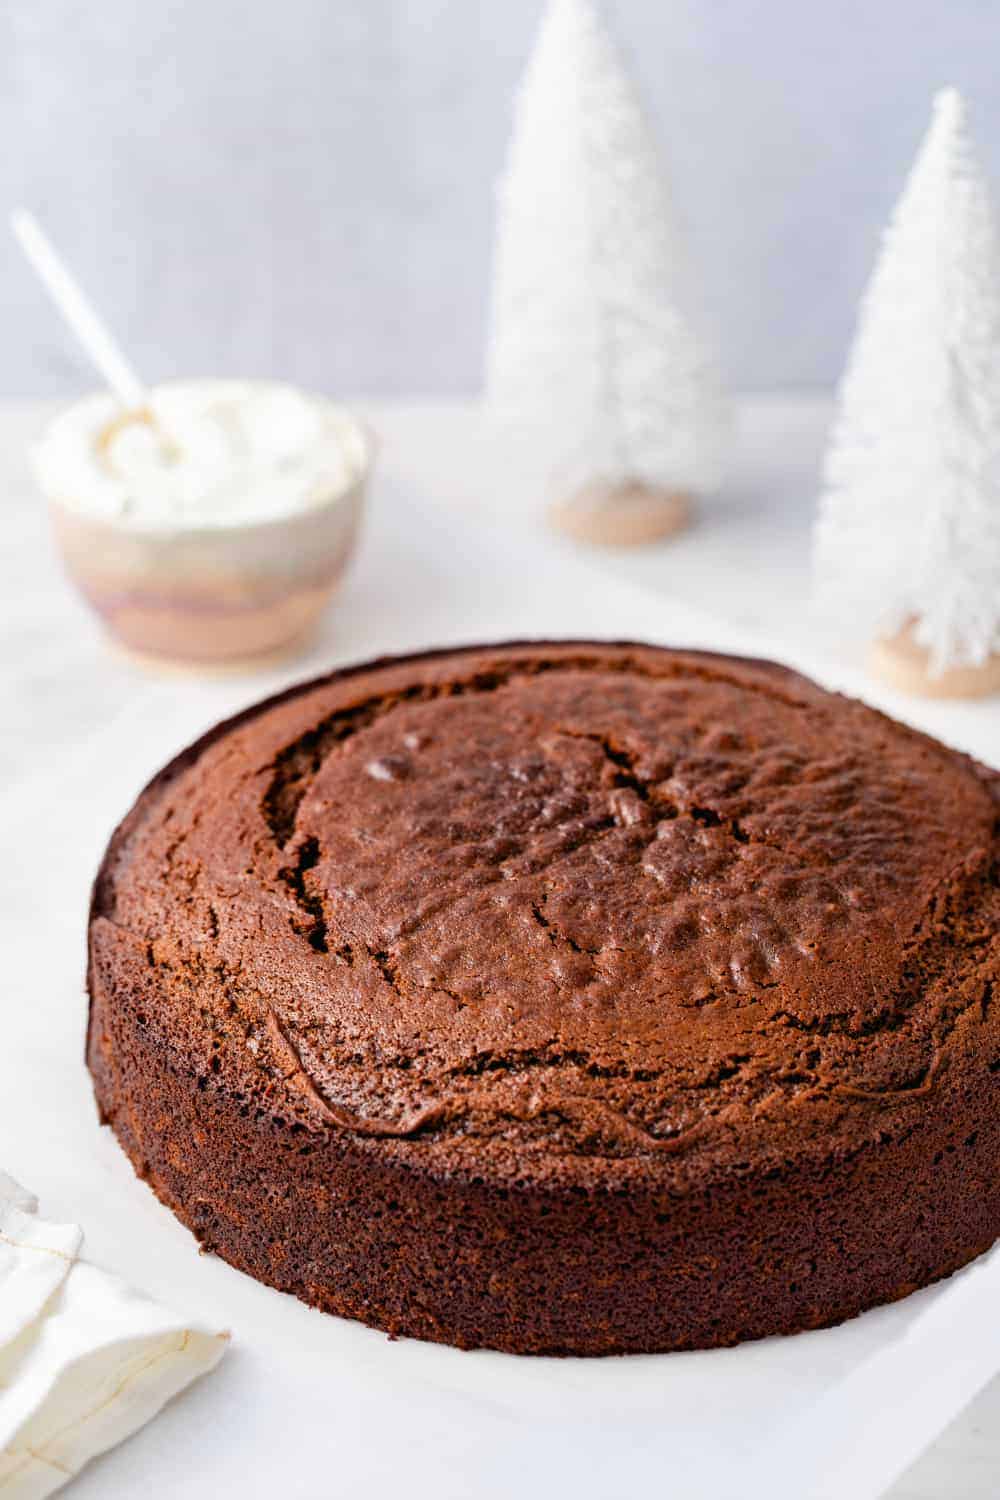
[[208, 453]]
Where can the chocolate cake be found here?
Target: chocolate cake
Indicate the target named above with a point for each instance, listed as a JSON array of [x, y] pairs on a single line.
[[574, 998]]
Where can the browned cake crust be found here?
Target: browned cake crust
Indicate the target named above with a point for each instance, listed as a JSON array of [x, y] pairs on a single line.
[[569, 998]]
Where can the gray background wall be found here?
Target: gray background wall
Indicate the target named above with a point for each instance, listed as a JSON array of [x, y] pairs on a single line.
[[304, 187]]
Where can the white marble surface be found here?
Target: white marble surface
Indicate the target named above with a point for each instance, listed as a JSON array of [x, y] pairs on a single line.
[[745, 563]]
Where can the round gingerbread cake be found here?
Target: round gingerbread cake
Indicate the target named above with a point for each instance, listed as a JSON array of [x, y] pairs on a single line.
[[562, 998]]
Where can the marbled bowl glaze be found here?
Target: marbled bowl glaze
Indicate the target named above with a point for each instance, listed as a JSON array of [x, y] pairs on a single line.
[[219, 594]]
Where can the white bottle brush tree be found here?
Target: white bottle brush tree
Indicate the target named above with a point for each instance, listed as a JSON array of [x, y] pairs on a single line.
[[596, 375], [908, 540]]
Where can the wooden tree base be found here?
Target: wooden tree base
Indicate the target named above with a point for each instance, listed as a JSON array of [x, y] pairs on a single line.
[[902, 663], [622, 515]]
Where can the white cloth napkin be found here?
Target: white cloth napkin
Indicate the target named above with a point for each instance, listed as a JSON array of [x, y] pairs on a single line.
[[84, 1359]]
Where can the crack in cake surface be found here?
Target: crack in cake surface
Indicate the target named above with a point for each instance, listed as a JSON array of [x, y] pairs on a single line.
[[632, 831], [300, 760]]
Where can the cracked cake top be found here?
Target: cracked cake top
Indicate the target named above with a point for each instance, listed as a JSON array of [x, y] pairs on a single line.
[[571, 911]]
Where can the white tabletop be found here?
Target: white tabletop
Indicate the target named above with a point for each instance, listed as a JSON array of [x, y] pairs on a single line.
[[745, 562]]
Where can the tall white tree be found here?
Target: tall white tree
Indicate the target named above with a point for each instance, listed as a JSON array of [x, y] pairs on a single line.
[[908, 537], [595, 369]]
